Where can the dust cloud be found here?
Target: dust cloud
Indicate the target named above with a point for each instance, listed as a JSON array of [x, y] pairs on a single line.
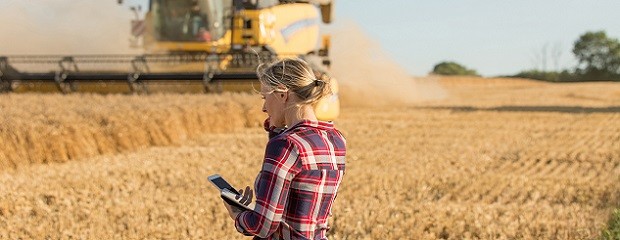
[[368, 77], [64, 27]]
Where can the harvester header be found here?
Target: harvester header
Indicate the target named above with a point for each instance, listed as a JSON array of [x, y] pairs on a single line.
[[67, 74]]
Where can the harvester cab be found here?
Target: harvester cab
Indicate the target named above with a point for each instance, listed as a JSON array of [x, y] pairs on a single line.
[[215, 43]]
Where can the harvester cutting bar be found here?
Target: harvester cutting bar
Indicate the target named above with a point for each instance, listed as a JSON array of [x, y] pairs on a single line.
[[64, 70], [122, 77]]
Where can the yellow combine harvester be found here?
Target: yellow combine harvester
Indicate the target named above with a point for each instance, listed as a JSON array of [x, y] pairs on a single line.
[[215, 44]]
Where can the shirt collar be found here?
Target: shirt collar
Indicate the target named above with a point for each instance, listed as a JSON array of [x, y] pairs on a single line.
[[313, 124]]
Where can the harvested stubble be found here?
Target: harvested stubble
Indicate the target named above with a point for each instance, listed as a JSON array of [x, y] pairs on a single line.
[[48, 128], [493, 161]]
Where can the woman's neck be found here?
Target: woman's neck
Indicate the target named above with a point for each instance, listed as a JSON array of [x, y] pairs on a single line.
[[298, 114]]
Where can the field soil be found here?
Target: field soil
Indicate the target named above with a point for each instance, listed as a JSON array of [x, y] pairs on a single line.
[[492, 159]]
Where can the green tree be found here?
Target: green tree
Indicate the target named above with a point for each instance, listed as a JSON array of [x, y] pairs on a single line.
[[598, 55], [452, 68]]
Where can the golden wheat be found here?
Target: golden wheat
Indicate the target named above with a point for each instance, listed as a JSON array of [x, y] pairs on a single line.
[[498, 159], [47, 128]]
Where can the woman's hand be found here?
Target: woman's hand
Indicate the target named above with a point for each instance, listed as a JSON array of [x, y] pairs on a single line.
[[232, 211], [244, 197]]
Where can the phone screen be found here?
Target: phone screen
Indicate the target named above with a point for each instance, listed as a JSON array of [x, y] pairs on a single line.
[[221, 183]]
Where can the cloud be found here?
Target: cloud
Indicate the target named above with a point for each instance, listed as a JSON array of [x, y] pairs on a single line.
[[64, 27]]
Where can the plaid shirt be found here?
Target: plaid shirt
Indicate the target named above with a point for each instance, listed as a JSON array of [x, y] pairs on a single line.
[[297, 184]]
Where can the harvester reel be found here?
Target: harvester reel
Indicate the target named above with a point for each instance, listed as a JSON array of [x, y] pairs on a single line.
[[67, 65], [139, 66], [241, 60], [211, 67]]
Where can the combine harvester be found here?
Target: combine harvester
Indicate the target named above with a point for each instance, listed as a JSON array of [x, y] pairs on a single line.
[[212, 45]]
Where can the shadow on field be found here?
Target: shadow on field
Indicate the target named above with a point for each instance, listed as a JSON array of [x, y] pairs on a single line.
[[558, 109]]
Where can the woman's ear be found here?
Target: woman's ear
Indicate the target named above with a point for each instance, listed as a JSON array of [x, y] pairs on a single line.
[[284, 96]]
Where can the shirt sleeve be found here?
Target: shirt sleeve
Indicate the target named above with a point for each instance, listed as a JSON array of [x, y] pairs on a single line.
[[271, 189]]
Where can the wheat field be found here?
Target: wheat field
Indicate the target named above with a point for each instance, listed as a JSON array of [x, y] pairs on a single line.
[[496, 159]]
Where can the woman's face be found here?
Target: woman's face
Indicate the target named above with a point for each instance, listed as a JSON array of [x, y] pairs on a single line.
[[273, 105]]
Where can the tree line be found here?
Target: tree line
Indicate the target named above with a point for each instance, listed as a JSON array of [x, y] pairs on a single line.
[[598, 58]]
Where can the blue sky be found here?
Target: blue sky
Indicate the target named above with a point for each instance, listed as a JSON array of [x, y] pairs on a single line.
[[490, 36]]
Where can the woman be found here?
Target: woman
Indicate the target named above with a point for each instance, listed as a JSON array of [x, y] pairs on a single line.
[[303, 164]]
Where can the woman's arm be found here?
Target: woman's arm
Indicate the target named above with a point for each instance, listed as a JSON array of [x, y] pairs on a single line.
[[272, 187]]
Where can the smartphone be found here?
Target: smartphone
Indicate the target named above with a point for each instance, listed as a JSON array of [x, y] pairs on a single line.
[[229, 193], [222, 184]]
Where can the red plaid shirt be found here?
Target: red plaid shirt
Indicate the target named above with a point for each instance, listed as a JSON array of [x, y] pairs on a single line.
[[297, 184]]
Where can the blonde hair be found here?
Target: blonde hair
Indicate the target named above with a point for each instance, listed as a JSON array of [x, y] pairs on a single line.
[[296, 75]]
